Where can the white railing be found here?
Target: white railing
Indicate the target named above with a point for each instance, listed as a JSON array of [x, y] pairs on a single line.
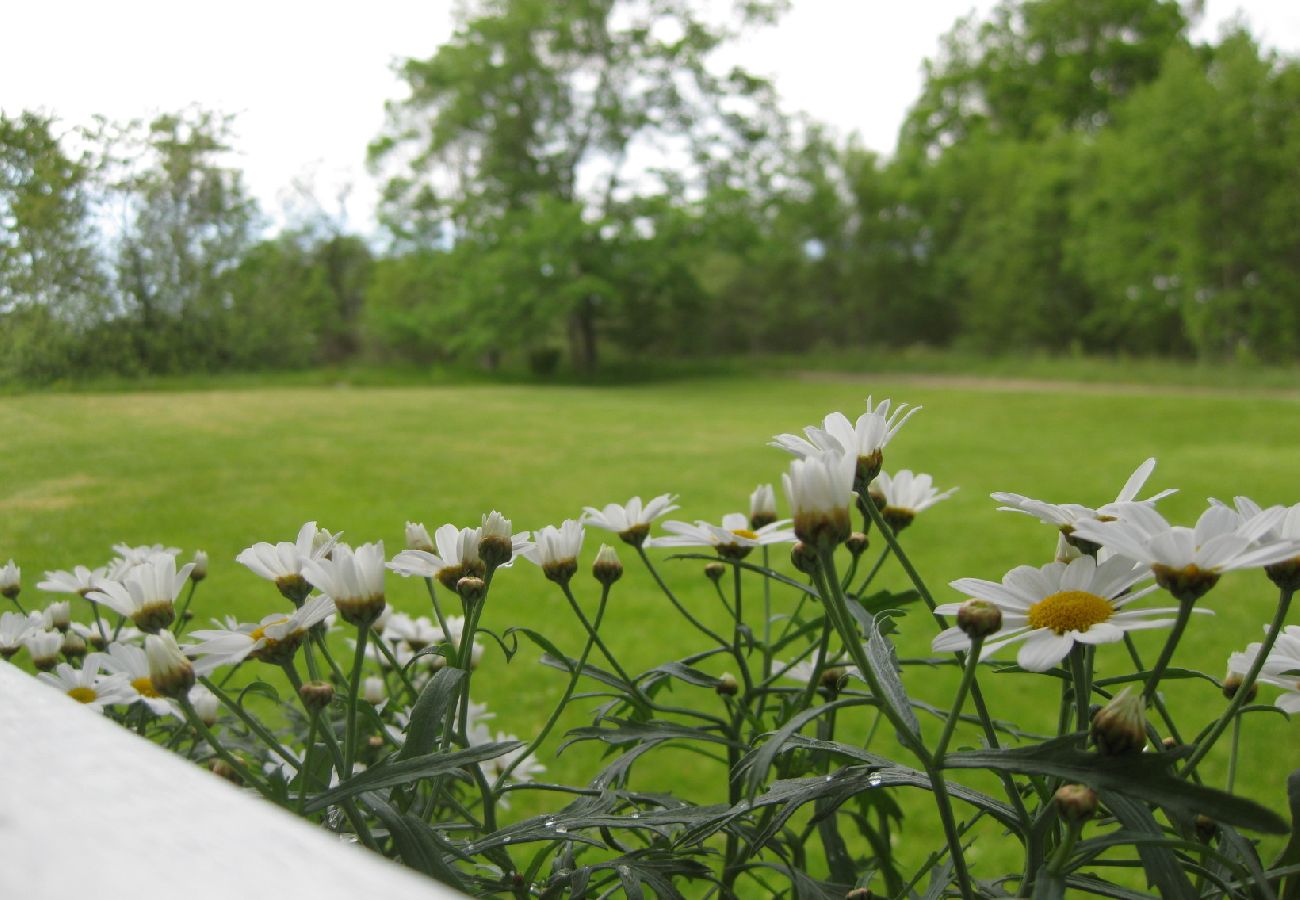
[[89, 809]]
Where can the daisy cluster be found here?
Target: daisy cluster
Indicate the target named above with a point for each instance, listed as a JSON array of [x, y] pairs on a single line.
[[1113, 556]]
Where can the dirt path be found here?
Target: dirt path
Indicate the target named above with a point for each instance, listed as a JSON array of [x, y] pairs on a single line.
[[1042, 386]]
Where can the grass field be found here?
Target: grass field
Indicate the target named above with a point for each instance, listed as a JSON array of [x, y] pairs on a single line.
[[221, 469]]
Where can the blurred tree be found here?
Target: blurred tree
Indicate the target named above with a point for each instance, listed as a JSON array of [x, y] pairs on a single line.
[[529, 117], [52, 277], [185, 220]]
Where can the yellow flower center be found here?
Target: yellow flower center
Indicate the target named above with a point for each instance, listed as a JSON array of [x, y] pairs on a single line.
[[1070, 611], [745, 533], [144, 687], [83, 694]]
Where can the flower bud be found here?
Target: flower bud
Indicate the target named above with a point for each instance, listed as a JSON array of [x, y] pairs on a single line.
[[200, 570], [1206, 828], [857, 543], [170, 673], [979, 618], [1075, 802], [316, 695], [860, 893], [223, 769], [471, 588], [727, 686], [803, 557], [1168, 744], [607, 569], [714, 571], [833, 679], [1120, 727], [1232, 684], [373, 691]]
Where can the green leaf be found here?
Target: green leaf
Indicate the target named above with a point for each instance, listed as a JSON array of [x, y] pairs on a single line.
[[260, 688], [756, 763], [388, 774], [1048, 887], [1163, 870], [1142, 776], [884, 664], [626, 732], [417, 844], [684, 672], [436, 701], [1290, 854], [537, 638]]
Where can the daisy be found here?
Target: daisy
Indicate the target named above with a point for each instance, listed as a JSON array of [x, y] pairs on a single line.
[[273, 640], [863, 440], [498, 545], [1187, 562], [556, 550], [631, 521], [282, 563], [11, 580], [416, 633], [762, 506], [905, 495], [353, 579], [43, 647], [135, 556], [820, 491], [148, 593], [417, 537], [1285, 573], [79, 581], [131, 662], [457, 556], [86, 685], [1053, 607], [1281, 667], [733, 539], [1066, 516], [14, 629]]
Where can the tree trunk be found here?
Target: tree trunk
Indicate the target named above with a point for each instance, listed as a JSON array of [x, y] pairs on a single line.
[[582, 337]]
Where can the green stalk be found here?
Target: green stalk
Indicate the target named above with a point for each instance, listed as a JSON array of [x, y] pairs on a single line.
[[834, 603], [1232, 758], [354, 691], [180, 613], [672, 598], [255, 726], [1082, 686], [1167, 652], [875, 569], [1243, 691], [586, 623], [967, 677], [736, 635], [240, 769]]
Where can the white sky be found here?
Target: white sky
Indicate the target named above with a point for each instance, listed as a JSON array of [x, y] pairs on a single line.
[[308, 80]]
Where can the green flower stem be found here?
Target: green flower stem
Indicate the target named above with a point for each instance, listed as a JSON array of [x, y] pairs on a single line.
[[591, 630], [967, 677], [255, 726], [1232, 757], [1157, 700], [354, 691], [396, 667], [819, 665], [465, 655], [1082, 686], [1243, 691], [99, 621], [18, 605], [1167, 652], [306, 763], [672, 598], [437, 608], [767, 616], [179, 626], [736, 637], [564, 700], [875, 570], [244, 773], [892, 540], [835, 605], [1056, 867]]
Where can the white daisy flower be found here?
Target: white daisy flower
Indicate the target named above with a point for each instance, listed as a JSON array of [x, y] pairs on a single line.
[[905, 495], [354, 579], [206, 704], [1052, 607], [630, 521], [14, 629], [131, 661], [457, 556], [170, 671], [417, 537], [820, 491], [527, 769], [1187, 562], [282, 563], [137, 555], [273, 640], [556, 550], [1066, 516], [11, 580], [498, 544], [733, 539], [863, 440], [417, 633], [148, 594], [1281, 667], [58, 615], [43, 647], [1286, 572], [762, 506], [86, 685], [79, 581]]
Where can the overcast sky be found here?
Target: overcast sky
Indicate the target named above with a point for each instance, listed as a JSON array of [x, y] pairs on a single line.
[[308, 80]]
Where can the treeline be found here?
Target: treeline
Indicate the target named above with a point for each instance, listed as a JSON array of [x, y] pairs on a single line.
[[1076, 176]]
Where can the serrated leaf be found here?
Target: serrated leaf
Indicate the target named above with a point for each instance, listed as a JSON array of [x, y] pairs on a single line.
[[1162, 867], [884, 665], [684, 673], [753, 767], [1143, 776], [436, 701], [541, 640], [1290, 855], [417, 845], [626, 732], [400, 771]]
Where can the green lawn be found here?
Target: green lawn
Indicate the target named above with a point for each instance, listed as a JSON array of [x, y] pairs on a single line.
[[221, 469]]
